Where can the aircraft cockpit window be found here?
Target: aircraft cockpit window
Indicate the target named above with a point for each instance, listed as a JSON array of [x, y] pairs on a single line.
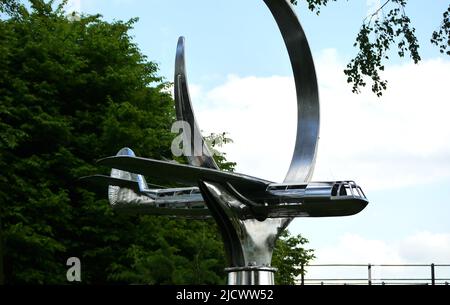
[[356, 189], [363, 195], [183, 192], [166, 194], [297, 187], [342, 190], [347, 188], [276, 188], [334, 190]]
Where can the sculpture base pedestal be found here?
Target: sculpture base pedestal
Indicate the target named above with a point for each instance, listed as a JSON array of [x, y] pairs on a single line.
[[252, 275]]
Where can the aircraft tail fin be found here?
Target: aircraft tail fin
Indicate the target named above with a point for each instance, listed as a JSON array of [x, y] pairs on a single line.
[[113, 190]]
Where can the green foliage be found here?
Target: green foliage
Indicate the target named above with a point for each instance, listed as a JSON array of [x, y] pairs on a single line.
[[314, 5], [71, 91], [190, 252], [375, 39], [10, 7], [214, 141], [289, 255], [388, 26], [441, 37]]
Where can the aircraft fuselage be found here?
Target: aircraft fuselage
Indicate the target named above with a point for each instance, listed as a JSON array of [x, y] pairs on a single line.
[[314, 199]]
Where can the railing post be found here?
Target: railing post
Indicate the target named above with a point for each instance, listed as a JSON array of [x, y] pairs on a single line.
[[369, 274], [433, 279]]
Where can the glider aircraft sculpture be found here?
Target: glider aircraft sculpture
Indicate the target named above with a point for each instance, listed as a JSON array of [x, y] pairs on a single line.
[[250, 212]]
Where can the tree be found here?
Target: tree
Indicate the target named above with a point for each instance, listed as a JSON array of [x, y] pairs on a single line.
[[289, 257], [216, 141], [70, 92], [386, 27], [10, 7]]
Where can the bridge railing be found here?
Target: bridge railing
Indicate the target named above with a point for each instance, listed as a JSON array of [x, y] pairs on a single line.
[[370, 279]]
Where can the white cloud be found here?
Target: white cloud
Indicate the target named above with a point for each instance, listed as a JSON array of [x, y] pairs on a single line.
[[73, 6], [398, 140], [372, 6], [419, 248], [354, 249], [259, 114], [79, 5], [426, 246]]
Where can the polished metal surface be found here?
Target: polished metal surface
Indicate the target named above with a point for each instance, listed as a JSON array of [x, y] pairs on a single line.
[[314, 199], [308, 110], [250, 276], [118, 195], [201, 155], [185, 174], [248, 241]]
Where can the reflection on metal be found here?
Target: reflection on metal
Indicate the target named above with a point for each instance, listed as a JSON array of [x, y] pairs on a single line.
[[248, 241], [260, 199], [250, 275], [201, 154], [250, 212], [308, 116]]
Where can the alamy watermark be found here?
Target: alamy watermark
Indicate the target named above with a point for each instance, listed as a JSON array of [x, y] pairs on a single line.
[[74, 272], [189, 141]]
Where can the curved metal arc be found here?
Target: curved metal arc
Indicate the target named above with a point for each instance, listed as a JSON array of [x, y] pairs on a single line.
[[308, 116], [202, 156]]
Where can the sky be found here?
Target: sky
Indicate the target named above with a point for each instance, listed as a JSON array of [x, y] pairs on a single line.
[[395, 147]]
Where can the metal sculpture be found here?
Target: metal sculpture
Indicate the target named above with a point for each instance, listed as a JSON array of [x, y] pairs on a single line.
[[250, 212]]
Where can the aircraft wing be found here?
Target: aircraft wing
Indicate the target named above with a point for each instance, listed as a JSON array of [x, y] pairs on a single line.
[[105, 181], [184, 174]]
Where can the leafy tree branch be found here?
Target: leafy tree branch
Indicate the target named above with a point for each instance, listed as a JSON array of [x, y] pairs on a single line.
[[386, 28]]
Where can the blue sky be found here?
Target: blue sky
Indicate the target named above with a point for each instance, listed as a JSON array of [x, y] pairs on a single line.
[[240, 37], [396, 147]]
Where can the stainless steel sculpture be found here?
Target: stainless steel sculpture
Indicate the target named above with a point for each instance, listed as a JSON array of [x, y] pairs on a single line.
[[250, 212]]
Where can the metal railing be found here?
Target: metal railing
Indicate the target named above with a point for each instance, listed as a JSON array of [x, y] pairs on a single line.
[[370, 280]]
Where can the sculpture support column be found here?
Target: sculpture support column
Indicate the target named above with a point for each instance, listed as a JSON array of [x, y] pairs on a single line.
[[249, 242], [255, 275]]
